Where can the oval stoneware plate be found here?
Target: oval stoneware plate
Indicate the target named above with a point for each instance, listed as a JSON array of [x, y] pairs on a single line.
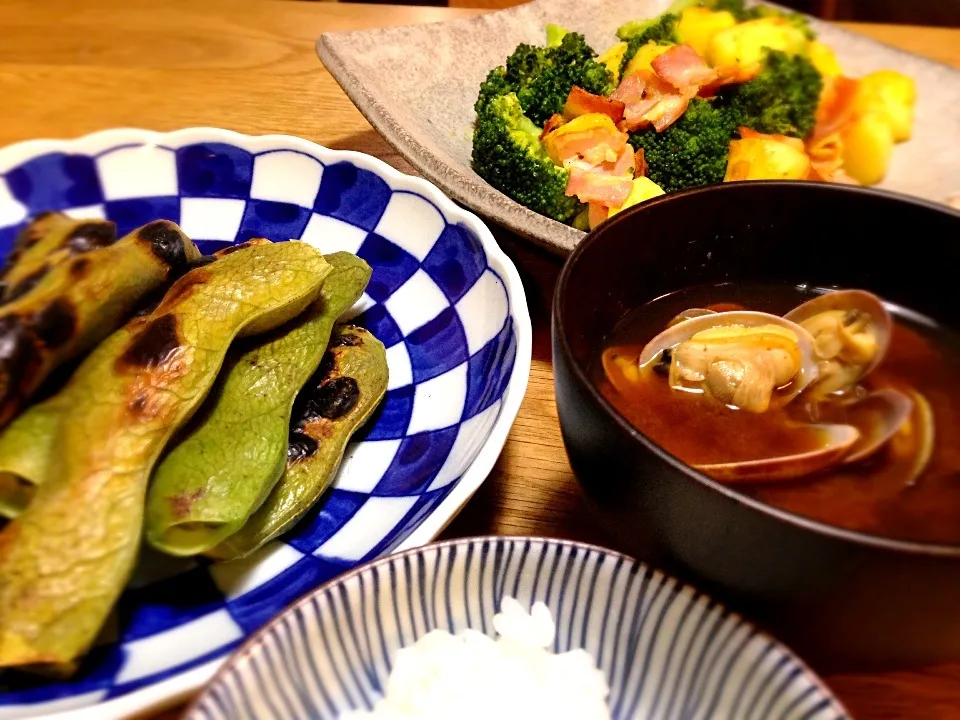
[[417, 86], [443, 298]]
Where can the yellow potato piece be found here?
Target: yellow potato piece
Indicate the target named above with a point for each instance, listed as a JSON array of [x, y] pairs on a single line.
[[643, 189], [823, 59], [743, 44], [867, 148], [612, 57], [766, 159], [892, 94], [586, 125], [698, 25], [645, 55]]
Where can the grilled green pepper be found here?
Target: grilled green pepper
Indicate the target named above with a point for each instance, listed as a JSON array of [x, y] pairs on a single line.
[[346, 389], [66, 558], [26, 445], [49, 239], [26, 450], [235, 454], [79, 302]]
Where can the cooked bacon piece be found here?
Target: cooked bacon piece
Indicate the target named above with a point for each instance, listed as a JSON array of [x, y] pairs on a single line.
[[836, 107], [580, 102], [667, 111], [626, 164], [728, 75], [650, 99], [824, 145], [553, 122], [595, 143], [682, 67], [826, 156], [596, 214], [631, 88], [640, 163], [593, 186]]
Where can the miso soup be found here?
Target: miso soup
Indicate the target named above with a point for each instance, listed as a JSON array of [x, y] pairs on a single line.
[[852, 419]]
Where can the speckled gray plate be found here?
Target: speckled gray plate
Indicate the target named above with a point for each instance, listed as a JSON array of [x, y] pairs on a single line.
[[417, 85]]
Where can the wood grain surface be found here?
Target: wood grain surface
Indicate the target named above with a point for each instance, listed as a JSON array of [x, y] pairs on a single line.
[[69, 67]]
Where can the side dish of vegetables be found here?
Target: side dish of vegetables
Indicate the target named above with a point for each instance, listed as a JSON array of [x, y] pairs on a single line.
[[203, 402], [710, 91]]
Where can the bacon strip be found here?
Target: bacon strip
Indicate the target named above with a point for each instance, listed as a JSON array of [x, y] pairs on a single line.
[[596, 214], [640, 162], [728, 75], [626, 163], [595, 145], [650, 99], [597, 187], [580, 102], [836, 107], [642, 92], [682, 67], [666, 112], [553, 122]]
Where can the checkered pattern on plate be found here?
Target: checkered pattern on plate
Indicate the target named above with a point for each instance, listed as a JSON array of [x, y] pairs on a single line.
[[434, 300]]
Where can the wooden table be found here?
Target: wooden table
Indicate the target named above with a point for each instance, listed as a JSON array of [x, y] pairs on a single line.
[[69, 67]]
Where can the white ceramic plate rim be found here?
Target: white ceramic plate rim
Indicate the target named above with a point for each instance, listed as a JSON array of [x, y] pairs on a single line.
[[253, 643], [175, 689]]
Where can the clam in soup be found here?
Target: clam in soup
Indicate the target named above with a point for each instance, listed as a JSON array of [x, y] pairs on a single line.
[[820, 402]]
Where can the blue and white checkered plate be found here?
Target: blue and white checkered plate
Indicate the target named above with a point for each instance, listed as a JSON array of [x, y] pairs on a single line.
[[444, 300]]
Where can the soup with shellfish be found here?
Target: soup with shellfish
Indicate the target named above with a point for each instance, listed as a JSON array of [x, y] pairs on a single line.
[[830, 404]]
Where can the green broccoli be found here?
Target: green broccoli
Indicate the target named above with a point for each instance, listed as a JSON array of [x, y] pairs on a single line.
[[508, 154], [781, 100], [555, 35], [691, 152], [542, 77], [661, 30]]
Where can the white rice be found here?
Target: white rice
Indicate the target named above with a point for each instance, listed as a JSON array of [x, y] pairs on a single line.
[[472, 676]]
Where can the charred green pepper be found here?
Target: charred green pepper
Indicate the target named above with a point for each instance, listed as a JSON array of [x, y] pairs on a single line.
[[209, 484], [26, 451], [66, 558], [79, 302], [348, 386], [48, 240], [26, 445]]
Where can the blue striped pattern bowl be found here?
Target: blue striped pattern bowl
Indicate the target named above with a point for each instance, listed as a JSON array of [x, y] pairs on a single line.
[[667, 650]]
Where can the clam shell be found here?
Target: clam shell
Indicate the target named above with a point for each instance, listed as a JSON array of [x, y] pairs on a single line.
[[838, 441], [924, 433], [882, 414], [688, 314], [674, 335], [848, 300]]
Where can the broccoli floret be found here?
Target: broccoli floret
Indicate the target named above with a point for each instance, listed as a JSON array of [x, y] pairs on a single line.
[[542, 77], [508, 154], [781, 100], [495, 85], [555, 34], [661, 30], [691, 152], [798, 20]]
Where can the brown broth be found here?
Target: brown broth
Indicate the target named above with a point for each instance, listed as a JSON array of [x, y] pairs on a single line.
[[873, 496]]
